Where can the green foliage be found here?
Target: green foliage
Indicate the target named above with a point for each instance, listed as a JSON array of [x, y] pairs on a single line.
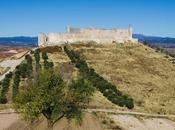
[[110, 91], [81, 90], [3, 99], [24, 70], [16, 82], [37, 59], [53, 98], [47, 64], [44, 56], [129, 103], [5, 87], [37, 55], [29, 65]]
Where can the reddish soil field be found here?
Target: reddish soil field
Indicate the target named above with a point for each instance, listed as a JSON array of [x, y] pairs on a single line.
[[7, 51]]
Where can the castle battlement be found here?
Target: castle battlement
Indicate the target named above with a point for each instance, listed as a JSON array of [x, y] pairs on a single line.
[[87, 34]]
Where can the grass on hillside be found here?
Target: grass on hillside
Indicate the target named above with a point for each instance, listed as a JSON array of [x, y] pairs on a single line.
[[137, 70]]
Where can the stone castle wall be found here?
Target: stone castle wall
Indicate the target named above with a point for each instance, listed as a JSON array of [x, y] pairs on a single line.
[[87, 34]]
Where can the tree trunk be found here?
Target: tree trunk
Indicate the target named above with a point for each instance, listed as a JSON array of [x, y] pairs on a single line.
[[50, 124]]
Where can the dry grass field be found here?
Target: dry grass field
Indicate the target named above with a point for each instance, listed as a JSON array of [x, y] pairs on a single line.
[[137, 70]]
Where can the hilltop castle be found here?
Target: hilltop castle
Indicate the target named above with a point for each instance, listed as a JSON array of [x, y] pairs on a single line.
[[87, 34]]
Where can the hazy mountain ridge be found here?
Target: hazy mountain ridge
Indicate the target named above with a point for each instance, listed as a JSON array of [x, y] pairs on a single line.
[[161, 41], [19, 41]]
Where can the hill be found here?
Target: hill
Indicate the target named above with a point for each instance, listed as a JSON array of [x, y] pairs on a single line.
[[136, 70]]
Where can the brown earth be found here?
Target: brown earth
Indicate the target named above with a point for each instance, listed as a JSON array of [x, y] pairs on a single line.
[[13, 122], [7, 51]]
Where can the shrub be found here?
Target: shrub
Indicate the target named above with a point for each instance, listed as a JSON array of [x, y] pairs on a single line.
[[3, 99], [29, 67], [5, 87], [129, 103], [47, 64], [23, 70], [16, 82], [37, 55], [44, 56]]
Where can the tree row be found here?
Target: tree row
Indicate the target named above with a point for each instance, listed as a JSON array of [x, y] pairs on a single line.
[[109, 90]]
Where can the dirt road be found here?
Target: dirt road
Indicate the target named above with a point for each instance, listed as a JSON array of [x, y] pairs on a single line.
[[126, 120], [115, 111], [130, 122], [7, 119]]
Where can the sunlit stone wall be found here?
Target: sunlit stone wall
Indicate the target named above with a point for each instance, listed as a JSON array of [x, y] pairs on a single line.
[[87, 34]]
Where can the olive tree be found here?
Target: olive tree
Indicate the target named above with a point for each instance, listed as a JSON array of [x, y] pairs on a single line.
[[52, 97]]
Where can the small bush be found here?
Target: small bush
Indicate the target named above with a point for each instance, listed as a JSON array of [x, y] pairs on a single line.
[[5, 87], [3, 99]]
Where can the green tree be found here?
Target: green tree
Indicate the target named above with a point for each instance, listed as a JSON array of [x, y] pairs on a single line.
[[37, 59], [47, 64], [16, 82], [37, 55], [44, 56], [23, 70], [29, 65], [5, 87], [53, 98]]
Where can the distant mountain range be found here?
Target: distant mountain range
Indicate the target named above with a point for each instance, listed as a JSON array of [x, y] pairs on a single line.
[[154, 40], [19, 41], [32, 41]]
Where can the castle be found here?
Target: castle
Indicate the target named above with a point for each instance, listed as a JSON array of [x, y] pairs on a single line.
[[87, 34]]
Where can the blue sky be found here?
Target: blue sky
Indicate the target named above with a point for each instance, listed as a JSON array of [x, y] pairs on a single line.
[[28, 17]]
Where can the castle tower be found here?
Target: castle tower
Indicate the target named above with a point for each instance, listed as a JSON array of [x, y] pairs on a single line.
[[41, 39], [68, 29], [130, 31]]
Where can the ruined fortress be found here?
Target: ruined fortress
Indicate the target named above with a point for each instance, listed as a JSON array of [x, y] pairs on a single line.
[[87, 34]]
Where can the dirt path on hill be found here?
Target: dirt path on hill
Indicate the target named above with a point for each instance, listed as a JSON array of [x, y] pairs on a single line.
[[6, 120], [10, 120], [115, 111], [129, 122], [126, 120], [89, 122]]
